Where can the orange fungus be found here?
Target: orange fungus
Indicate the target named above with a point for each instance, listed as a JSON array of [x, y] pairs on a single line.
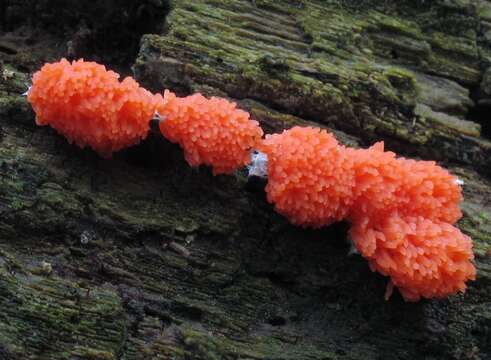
[[386, 184], [402, 211], [89, 105], [402, 219], [211, 131], [310, 178], [423, 258]]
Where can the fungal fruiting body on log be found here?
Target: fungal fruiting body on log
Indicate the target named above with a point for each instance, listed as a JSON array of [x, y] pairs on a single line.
[[310, 176], [402, 212], [403, 216], [423, 257], [211, 131], [90, 106]]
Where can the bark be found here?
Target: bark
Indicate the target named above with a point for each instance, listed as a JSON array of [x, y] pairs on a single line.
[[141, 257]]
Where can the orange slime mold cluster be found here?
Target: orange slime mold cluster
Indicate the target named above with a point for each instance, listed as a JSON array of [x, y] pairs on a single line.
[[424, 258], [90, 107], [386, 184], [310, 178], [211, 131], [402, 220], [401, 210]]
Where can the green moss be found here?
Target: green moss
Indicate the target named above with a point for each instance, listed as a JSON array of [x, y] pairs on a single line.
[[402, 79], [12, 81], [400, 26], [63, 317], [454, 46], [200, 345], [476, 227], [92, 354]]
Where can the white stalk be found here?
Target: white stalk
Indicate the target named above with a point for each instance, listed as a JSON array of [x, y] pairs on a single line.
[[259, 165]]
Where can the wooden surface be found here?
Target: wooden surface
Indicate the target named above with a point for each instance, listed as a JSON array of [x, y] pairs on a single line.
[[141, 257]]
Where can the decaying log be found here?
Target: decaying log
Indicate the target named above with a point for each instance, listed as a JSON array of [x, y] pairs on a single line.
[[141, 257]]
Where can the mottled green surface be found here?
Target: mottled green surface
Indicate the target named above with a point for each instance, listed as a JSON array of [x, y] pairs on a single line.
[[140, 257], [351, 69]]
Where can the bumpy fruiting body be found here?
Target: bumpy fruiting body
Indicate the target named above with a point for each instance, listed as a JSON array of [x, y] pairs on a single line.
[[211, 131], [401, 210], [310, 178], [386, 184], [90, 107], [424, 258]]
